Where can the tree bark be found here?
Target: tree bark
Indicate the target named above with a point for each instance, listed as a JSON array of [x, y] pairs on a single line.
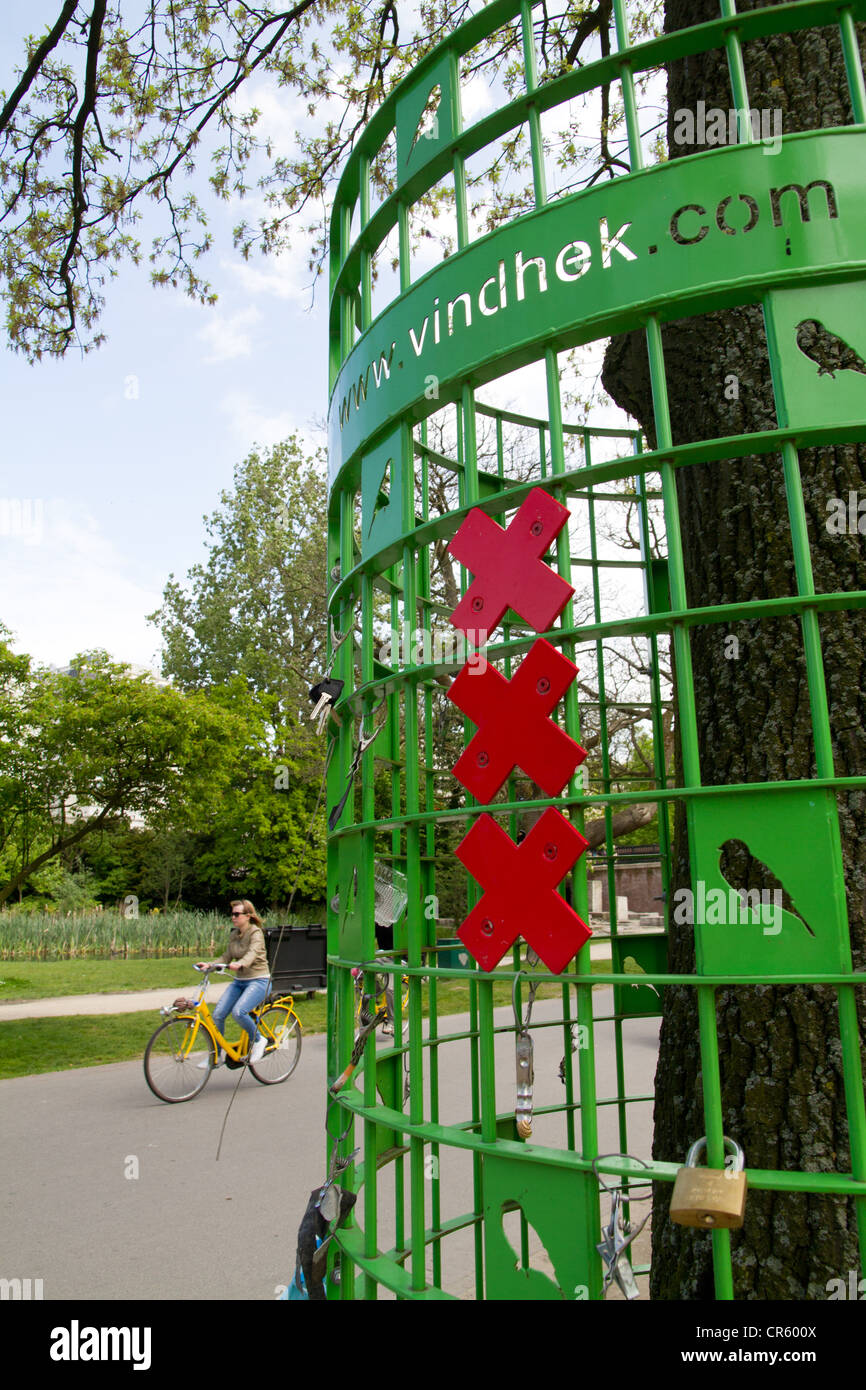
[[782, 1089], [57, 846]]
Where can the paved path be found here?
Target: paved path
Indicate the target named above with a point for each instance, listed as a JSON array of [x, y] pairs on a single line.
[[68, 1004], [189, 1227]]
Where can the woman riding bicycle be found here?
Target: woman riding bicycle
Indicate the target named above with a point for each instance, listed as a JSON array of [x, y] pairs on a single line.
[[247, 956]]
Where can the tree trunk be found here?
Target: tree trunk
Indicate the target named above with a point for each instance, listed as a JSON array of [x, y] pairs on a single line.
[[58, 846], [782, 1091]]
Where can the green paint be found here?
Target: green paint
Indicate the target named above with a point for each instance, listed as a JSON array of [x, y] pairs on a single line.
[[584, 267], [725, 227]]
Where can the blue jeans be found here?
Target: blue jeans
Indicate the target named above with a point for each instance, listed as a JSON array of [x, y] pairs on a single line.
[[238, 999]]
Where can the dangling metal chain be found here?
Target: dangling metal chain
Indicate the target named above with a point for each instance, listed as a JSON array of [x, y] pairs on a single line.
[[523, 1047]]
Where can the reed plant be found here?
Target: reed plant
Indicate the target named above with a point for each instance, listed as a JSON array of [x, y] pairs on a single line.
[[110, 935]]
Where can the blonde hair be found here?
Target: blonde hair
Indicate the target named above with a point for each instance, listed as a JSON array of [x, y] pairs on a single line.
[[248, 909]]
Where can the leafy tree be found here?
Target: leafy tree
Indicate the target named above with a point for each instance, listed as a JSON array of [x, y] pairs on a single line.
[[157, 866], [782, 1083], [82, 747], [116, 105], [258, 846], [254, 612], [249, 625]]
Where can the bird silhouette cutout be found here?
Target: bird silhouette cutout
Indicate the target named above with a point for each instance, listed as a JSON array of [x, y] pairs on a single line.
[[831, 353], [744, 871], [541, 1284], [428, 125], [383, 496], [631, 967], [351, 898]]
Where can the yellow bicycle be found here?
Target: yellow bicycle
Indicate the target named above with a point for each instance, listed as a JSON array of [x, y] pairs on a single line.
[[181, 1055], [383, 1003]]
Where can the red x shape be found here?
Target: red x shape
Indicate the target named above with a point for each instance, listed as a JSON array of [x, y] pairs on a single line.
[[520, 897], [513, 725], [508, 568]]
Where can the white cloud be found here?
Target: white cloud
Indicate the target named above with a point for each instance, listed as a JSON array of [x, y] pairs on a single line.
[[284, 112], [285, 277], [69, 589], [227, 338], [252, 425], [476, 99]]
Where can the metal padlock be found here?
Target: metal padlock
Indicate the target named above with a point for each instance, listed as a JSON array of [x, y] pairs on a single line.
[[710, 1197]]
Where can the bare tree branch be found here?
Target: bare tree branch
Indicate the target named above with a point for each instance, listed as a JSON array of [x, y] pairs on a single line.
[[52, 38]]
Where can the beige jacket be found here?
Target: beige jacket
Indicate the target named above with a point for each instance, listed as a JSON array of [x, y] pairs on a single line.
[[249, 949]]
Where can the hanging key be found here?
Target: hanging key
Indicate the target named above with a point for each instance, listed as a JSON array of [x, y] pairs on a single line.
[[525, 1077], [523, 1044], [325, 694], [710, 1198]]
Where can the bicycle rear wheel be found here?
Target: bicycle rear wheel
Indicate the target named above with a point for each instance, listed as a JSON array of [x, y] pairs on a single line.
[[281, 1027], [179, 1059]]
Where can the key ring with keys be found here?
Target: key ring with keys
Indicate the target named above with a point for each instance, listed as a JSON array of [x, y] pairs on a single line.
[[618, 1235]]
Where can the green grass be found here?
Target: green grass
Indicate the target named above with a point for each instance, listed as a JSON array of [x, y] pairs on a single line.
[[48, 979], [57, 1044], [32, 1045]]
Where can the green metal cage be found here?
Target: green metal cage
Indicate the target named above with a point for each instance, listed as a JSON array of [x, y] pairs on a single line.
[[440, 1165]]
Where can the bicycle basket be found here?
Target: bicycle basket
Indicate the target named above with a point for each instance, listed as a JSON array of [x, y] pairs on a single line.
[[391, 896]]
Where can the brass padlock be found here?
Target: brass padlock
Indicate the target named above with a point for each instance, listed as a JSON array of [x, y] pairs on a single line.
[[710, 1197]]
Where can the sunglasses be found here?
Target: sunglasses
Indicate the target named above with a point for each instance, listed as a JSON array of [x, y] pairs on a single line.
[[240, 914]]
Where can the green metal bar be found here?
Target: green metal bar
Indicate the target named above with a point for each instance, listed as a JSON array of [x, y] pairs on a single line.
[[604, 739], [715, 1135], [536, 144], [627, 80], [405, 247], [691, 774], [682, 649], [630, 798], [366, 890], [413, 883], [400, 577], [855, 1105], [647, 56], [737, 73], [853, 66], [366, 257]]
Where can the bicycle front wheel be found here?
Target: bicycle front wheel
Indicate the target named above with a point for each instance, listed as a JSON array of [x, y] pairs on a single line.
[[281, 1027], [179, 1059]]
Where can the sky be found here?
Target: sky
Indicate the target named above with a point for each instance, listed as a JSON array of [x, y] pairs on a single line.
[[108, 462]]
